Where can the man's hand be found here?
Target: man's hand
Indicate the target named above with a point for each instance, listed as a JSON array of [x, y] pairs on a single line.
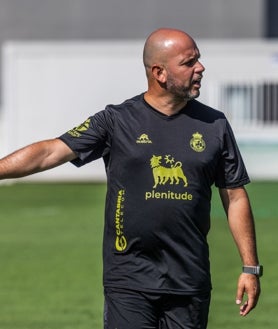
[[248, 284]]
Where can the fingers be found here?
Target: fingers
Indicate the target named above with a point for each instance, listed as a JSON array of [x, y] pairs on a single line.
[[247, 284], [245, 308]]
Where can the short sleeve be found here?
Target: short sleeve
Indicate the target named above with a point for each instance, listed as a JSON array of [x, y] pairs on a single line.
[[91, 139], [231, 170]]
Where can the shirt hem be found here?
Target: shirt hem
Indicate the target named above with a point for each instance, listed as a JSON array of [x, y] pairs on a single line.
[[161, 290]]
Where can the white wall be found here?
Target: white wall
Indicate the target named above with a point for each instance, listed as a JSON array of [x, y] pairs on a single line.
[[50, 87]]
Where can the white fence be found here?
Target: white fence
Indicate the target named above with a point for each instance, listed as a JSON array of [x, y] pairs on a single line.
[[50, 87]]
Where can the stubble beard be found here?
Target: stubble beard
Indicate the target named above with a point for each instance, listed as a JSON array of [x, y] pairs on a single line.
[[180, 91]]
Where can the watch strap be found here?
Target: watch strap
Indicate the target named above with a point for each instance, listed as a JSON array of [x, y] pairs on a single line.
[[256, 270]]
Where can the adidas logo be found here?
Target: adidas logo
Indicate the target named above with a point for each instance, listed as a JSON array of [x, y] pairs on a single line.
[[143, 139]]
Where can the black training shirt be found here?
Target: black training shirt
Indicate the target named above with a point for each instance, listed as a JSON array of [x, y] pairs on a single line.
[[160, 170]]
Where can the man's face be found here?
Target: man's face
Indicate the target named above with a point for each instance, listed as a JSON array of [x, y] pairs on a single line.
[[184, 72]]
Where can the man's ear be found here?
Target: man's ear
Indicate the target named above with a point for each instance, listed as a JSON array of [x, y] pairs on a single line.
[[159, 73]]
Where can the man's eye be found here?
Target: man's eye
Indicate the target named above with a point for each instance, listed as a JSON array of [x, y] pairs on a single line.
[[191, 62]]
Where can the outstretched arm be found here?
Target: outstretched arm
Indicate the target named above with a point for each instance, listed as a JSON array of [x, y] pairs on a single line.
[[237, 206], [35, 158]]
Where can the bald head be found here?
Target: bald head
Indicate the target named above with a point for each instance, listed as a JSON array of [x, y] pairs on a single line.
[[162, 43], [173, 69]]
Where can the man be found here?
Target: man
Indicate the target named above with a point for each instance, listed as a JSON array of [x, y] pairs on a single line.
[[162, 151]]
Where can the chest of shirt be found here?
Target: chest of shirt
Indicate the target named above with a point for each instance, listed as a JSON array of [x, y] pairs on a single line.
[[170, 143]]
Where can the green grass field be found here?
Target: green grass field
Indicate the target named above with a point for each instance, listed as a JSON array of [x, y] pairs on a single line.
[[51, 268]]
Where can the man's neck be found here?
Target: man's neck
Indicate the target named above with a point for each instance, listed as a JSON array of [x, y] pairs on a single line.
[[164, 104]]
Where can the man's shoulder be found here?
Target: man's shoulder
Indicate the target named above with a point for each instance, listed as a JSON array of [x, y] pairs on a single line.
[[205, 112], [130, 103], [204, 107]]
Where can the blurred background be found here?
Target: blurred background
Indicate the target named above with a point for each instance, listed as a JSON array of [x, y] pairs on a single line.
[[63, 60]]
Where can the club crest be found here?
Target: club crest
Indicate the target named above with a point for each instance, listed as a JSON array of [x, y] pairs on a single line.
[[197, 143]]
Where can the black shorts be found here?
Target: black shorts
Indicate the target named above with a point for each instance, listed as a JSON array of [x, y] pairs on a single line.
[[128, 309]]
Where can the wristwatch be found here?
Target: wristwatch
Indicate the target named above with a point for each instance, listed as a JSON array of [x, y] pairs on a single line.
[[256, 270]]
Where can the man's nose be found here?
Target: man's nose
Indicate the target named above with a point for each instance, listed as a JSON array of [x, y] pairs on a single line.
[[200, 66]]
